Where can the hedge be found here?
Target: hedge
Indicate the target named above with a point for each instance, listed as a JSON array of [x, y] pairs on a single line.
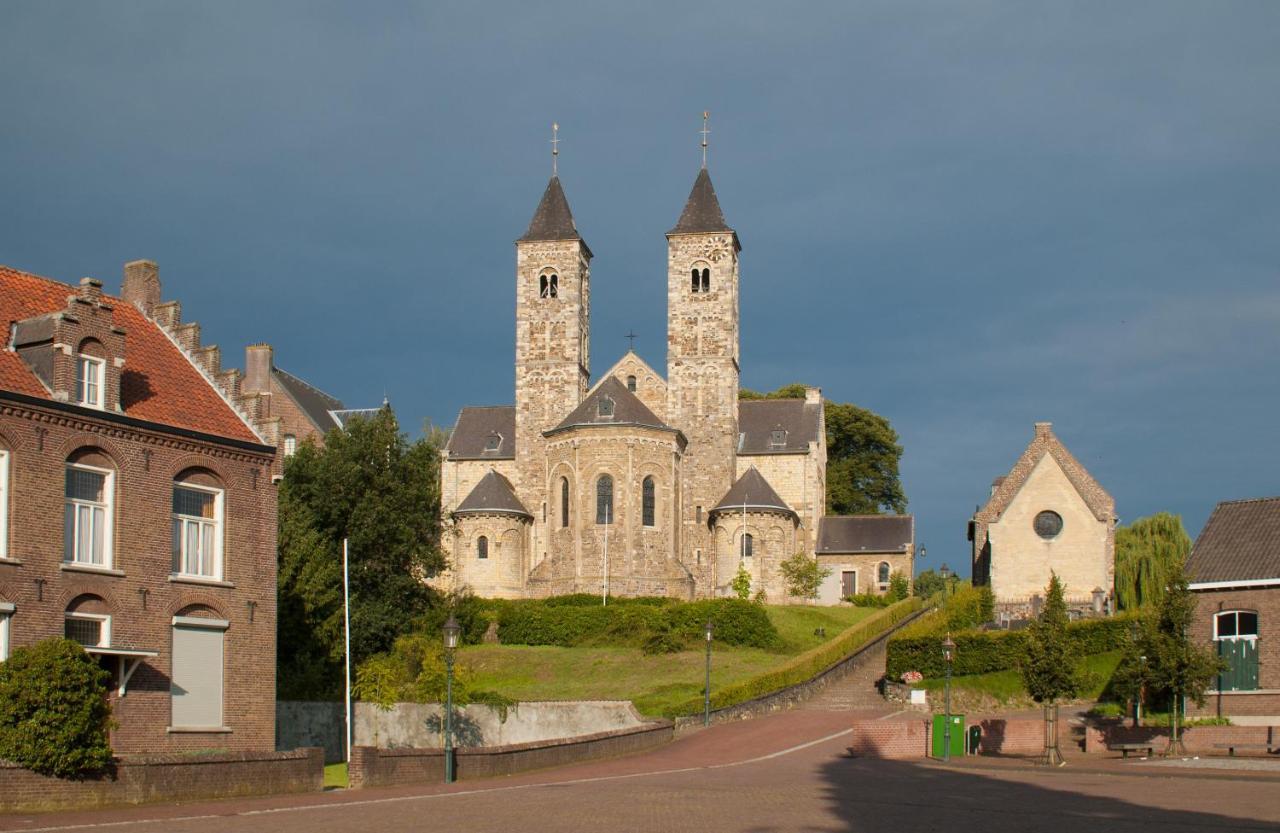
[[806, 666], [981, 652]]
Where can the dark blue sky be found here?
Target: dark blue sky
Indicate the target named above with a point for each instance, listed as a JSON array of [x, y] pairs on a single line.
[[966, 217]]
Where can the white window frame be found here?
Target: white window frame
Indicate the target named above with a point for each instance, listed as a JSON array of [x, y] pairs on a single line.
[[180, 559], [6, 619], [87, 382], [108, 514], [1217, 637], [290, 445], [104, 635], [4, 503]]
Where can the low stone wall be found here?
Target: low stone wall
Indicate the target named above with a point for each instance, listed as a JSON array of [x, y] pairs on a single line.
[[1196, 739], [419, 725], [302, 723], [895, 739], [373, 767], [143, 778]]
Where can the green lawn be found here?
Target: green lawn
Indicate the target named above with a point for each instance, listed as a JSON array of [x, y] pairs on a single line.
[[654, 682], [1006, 685]]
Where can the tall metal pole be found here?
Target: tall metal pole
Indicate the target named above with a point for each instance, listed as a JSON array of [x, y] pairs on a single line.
[[706, 694], [346, 634], [946, 726], [448, 716], [604, 591]]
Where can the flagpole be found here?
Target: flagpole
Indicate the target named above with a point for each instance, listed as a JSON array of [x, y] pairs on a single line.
[[604, 593], [346, 633]]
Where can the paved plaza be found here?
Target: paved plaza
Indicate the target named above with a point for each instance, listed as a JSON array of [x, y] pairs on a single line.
[[787, 772]]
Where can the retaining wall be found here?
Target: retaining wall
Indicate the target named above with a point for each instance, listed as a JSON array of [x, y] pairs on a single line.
[[302, 723], [373, 767], [1196, 739], [895, 739], [140, 779]]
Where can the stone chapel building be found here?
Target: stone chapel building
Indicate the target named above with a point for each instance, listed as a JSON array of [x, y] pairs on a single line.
[[641, 483]]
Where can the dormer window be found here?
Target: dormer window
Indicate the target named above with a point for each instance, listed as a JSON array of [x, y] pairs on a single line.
[[493, 443], [89, 381], [605, 408], [778, 438], [549, 285]]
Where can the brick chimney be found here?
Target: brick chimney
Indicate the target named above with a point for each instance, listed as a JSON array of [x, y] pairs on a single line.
[[258, 361], [1044, 429], [142, 285], [812, 396]]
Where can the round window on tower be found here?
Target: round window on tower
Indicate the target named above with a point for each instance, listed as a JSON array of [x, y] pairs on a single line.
[[1048, 524]]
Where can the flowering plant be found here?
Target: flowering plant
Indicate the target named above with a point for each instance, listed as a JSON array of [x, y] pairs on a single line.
[[912, 677]]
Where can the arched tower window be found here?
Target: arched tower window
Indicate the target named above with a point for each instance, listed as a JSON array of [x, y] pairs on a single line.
[[604, 499], [706, 280], [564, 501], [882, 574], [647, 502], [631, 384], [482, 547], [696, 280], [549, 285]]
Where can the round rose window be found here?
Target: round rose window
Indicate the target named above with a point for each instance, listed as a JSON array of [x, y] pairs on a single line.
[[1048, 524]]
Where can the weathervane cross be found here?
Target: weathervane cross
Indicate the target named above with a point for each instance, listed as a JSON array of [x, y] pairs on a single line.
[[706, 114], [555, 149]]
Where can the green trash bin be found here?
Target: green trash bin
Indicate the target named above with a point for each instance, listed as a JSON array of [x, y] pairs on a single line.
[[939, 732]]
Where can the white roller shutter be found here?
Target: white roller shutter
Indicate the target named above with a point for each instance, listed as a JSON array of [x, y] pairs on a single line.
[[196, 683]]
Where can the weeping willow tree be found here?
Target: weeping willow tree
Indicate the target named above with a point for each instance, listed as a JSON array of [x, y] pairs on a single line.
[[1149, 552]]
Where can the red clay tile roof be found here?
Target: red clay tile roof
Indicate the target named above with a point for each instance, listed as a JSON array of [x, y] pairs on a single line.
[[161, 386]]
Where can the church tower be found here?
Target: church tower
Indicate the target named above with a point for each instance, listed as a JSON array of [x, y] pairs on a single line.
[[702, 367], [553, 306]]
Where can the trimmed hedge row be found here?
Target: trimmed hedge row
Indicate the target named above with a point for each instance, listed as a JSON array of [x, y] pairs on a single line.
[[981, 652], [668, 625], [806, 666]]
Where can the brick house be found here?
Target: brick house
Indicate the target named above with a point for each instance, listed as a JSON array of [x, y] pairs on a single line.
[[137, 509], [1234, 570]]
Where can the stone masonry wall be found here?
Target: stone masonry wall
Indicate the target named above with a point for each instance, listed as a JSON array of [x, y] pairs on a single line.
[[773, 540], [796, 479]]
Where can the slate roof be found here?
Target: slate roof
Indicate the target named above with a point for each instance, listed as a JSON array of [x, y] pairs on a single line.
[[159, 383], [753, 491], [757, 419], [627, 409], [472, 430], [312, 401], [1239, 542], [702, 210], [865, 533], [552, 220], [492, 494]]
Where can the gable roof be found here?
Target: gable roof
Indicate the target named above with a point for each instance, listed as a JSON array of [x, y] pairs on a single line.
[[627, 409], [754, 492], [701, 212], [552, 219], [313, 402], [1239, 542], [757, 419], [865, 533], [475, 425], [493, 493], [160, 383], [1045, 442]]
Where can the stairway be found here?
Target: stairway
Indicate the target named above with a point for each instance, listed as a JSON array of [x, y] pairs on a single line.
[[856, 689]]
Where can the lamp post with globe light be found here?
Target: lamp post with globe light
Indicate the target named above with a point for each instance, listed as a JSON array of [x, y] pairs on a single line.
[[452, 630]]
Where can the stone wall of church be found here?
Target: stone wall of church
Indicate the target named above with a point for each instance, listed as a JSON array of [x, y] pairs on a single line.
[[799, 479], [773, 540], [1082, 554], [650, 388], [641, 558], [457, 479], [702, 382], [866, 566], [502, 571]]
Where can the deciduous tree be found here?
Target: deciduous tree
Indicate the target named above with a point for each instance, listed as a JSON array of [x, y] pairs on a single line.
[[1148, 552]]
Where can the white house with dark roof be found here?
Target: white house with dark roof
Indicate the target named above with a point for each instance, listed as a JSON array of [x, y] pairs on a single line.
[[637, 482]]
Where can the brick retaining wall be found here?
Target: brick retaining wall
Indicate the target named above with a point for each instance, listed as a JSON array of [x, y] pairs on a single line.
[[373, 767], [1197, 739], [890, 739], [140, 779]]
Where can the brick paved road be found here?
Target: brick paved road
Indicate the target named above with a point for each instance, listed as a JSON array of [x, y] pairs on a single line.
[[740, 777]]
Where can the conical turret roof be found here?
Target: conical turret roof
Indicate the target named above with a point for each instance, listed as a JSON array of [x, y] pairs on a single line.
[[553, 220], [702, 211], [753, 492], [493, 494]]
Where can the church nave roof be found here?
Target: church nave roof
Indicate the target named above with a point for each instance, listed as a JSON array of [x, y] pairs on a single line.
[[611, 404], [483, 433]]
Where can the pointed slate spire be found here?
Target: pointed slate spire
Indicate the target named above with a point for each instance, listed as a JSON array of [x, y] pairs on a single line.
[[553, 220], [702, 211]]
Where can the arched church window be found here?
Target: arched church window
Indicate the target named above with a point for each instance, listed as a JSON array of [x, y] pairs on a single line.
[[555, 285], [696, 281], [549, 285], [482, 547], [631, 384], [882, 574], [706, 280], [647, 502], [604, 500], [564, 501], [748, 545]]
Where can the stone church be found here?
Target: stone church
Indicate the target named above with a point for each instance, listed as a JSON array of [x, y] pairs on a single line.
[[640, 483]]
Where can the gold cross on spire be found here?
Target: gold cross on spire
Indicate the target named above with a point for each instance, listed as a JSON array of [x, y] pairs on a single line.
[[555, 150], [706, 114]]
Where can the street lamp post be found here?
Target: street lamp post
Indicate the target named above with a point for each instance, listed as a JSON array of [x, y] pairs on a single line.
[[452, 630], [945, 572], [706, 692], [948, 654]]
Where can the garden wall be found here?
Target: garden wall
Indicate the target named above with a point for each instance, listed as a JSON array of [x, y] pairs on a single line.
[[418, 725], [143, 778], [301, 723], [373, 767], [1196, 739], [893, 739]]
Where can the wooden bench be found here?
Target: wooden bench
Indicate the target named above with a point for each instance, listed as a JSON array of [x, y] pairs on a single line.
[[1126, 748], [1232, 747]]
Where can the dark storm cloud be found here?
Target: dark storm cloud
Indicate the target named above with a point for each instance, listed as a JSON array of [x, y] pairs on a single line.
[[966, 217]]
